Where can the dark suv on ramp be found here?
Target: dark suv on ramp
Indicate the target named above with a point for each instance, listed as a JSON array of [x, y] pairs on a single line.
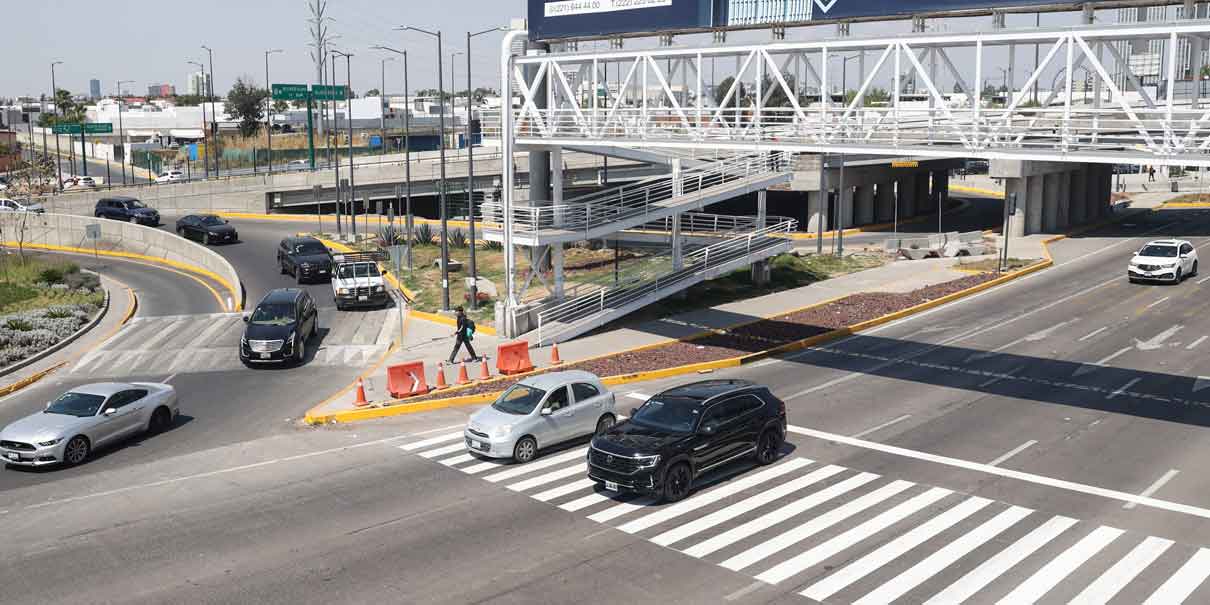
[[681, 433], [122, 208], [306, 258], [279, 327]]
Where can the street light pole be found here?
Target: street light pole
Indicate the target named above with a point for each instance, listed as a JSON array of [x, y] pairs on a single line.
[[349, 118], [122, 131], [205, 124], [382, 114], [213, 112], [269, 108], [470, 165], [407, 151], [445, 250], [54, 97]]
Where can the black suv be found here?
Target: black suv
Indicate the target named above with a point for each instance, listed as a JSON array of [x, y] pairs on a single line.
[[306, 258], [279, 328], [685, 431], [123, 208]]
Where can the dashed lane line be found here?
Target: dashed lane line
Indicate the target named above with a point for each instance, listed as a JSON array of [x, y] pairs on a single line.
[[1194, 344], [884, 425], [1155, 487], [1093, 334], [1013, 452], [1123, 389]]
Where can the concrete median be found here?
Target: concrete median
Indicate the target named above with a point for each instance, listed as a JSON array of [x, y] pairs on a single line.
[[69, 233]]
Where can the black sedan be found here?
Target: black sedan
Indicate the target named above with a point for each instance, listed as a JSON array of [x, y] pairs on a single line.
[[206, 228]]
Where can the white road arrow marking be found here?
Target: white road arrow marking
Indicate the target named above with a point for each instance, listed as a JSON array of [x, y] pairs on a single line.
[[1035, 337], [415, 382], [1158, 340], [825, 7]]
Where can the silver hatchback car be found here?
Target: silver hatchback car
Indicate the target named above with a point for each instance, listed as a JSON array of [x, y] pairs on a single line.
[[539, 412]]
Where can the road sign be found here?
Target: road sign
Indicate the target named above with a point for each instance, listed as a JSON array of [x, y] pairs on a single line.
[[92, 231], [90, 128], [67, 129], [328, 93], [290, 92], [98, 128], [905, 164]]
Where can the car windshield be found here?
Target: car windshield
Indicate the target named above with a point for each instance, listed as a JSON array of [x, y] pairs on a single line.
[[310, 248], [211, 220], [81, 405], [674, 414], [1159, 251], [519, 400], [358, 270], [135, 204], [278, 314]]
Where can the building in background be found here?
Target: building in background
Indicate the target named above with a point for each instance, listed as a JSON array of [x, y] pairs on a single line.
[[199, 83], [94, 89], [161, 91], [1146, 57]]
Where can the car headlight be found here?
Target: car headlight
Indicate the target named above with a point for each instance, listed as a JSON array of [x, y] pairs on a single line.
[[647, 461], [290, 340], [342, 291], [502, 431], [49, 443], [378, 288]]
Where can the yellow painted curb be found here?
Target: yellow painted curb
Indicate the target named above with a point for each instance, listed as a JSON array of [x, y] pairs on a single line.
[[310, 416], [1166, 205], [235, 297], [979, 190], [376, 219], [28, 380]]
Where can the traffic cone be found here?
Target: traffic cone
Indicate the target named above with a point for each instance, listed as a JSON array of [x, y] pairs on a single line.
[[361, 395], [463, 377], [440, 376], [554, 355], [484, 372]]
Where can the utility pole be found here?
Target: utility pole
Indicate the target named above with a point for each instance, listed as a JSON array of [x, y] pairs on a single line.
[[213, 111], [269, 108], [335, 164], [382, 113], [205, 138], [54, 97], [319, 43], [470, 165], [407, 152], [349, 118], [121, 131]]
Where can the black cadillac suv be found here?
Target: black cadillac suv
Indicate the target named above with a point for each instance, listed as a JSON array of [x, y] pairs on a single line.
[[681, 433]]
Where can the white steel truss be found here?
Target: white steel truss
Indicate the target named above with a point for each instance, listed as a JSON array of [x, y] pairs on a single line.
[[784, 96]]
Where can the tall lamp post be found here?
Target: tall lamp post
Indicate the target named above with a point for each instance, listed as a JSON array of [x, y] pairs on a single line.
[[349, 118], [382, 113], [54, 97], [205, 124], [407, 151], [121, 131], [445, 248], [470, 163], [213, 111], [269, 107]]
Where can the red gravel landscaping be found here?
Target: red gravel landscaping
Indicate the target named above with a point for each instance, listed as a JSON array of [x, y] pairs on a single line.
[[760, 336]]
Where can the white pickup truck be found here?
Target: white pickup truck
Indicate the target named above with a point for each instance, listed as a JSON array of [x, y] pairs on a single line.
[[358, 282]]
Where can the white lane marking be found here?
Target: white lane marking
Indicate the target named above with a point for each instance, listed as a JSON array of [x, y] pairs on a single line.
[[1013, 452], [1159, 302], [944, 557], [745, 591], [456, 460], [563, 490], [993, 568], [1194, 344], [1088, 368], [1123, 389], [827, 550], [1072, 486], [1117, 577], [563, 473], [815, 525], [998, 377], [639, 396], [1035, 337], [1203, 280], [1202, 383], [536, 465], [586, 501], [483, 466], [768, 520], [441, 451], [680, 508], [440, 430], [1154, 487], [761, 364], [744, 506], [411, 447], [168, 379], [882, 426], [1092, 334], [1182, 583], [618, 510], [1058, 568], [894, 549], [1158, 341]]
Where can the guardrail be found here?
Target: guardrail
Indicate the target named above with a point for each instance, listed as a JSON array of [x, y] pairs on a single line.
[[558, 319], [713, 224], [69, 233]]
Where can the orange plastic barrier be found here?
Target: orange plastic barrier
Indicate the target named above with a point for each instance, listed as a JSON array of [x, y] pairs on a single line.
[[407, 380], [513, 358]]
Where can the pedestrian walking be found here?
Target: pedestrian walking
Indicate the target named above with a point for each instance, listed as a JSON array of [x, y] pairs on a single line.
[[1151, 174], [464, 334]]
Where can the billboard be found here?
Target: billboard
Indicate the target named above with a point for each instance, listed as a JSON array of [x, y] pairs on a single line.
[[555, 19], [849, 9]]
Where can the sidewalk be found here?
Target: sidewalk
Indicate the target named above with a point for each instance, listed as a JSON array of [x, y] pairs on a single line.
[[432, 342]]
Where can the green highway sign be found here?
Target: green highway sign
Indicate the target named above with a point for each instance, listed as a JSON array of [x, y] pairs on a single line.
[[98, 128], [328, 93], [89, 128], [67, 129], [290, 92]]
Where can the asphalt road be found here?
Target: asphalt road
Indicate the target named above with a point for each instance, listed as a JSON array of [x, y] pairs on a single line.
[[976, 450]]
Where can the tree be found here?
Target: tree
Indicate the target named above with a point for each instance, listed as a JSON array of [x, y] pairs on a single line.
[[373, 92], [69, 112], [246, 103], [280, 106], [778, 97], [720, 93]]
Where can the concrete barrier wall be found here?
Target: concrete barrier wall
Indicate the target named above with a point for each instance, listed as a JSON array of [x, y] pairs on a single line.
[[69, 232]]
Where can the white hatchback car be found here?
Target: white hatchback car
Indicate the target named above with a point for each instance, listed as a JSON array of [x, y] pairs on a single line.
[[1169, 260], [170, 176]]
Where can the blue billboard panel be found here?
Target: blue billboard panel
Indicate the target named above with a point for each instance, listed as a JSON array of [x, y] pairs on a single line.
[[848, 9], [555, 19]]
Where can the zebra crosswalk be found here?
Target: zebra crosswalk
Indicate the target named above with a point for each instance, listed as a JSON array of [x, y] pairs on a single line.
[[836, 534]]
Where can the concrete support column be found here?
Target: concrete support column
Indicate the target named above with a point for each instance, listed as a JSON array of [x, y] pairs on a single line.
[[864, 214], [884, 202], [844, 208], [556, 262], [922, 194], [907, 196], [1078, 197], [817, 211], [1105, 184], [1019, 187], [941, 187], [1050, 203], [678, 186], [1065, 201], [1036, 188], [762, 207], [678, 244]]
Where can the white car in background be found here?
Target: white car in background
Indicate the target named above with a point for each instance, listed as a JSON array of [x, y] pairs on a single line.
[[170, 176], [1168, 260], [7, 205]]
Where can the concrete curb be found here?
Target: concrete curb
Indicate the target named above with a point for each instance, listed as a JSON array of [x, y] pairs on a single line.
[[979, 190], [62, 343]]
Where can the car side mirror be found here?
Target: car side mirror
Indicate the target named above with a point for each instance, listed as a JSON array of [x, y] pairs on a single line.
[[547, 411], [247, 319], [111, 411], [708, 429]]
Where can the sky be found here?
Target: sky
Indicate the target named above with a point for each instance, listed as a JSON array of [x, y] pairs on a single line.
[[151, 43]]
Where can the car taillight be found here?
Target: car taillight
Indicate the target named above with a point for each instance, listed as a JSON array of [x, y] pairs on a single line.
[[781, 407]]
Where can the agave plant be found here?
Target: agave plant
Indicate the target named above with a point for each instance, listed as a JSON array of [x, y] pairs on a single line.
[[493, 246], [423, 234], [458, 238], [392, 235]]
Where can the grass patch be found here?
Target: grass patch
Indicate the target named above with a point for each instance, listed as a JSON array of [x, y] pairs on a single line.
[[36, 283], [1191, 198], [991, 264]]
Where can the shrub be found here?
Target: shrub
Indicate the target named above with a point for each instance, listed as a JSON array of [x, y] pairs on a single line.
[[392, 235], [493, 246], [19, 325], [78, 280], [458, 239], [51, 275], [424, 234]]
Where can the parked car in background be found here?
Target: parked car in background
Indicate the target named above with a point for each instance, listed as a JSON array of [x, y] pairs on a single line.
[[170, 176], [7, 205], [1170, 260], [279, 327], [123, 208], [358, 282], [86, 418], [206, 228], [75, 182], [306, 258], [683, 432], [298, 165], [539, 412]]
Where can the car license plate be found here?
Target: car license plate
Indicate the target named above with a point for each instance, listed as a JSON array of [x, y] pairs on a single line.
[[611, 486], [479, 445], [13, 456], [264, 356], [363, 298]]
